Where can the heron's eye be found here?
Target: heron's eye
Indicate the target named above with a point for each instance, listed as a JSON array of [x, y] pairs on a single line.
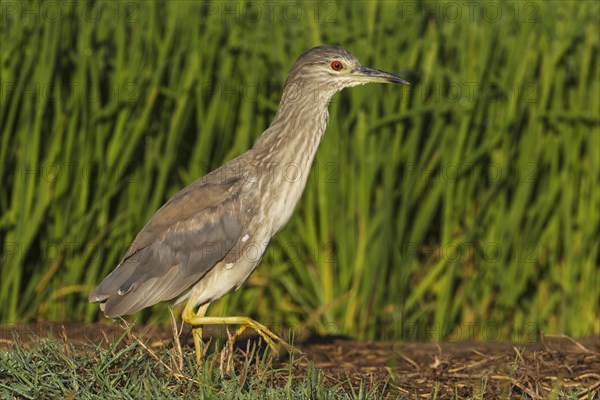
[[337, 65]]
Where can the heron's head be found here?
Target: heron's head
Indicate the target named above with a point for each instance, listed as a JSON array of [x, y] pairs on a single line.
[[336, 67]]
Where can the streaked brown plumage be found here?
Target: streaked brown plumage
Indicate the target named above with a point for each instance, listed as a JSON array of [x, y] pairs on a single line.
[[208, 238]]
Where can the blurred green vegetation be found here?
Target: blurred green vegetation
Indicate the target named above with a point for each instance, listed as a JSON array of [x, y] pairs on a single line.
[[464, 206]]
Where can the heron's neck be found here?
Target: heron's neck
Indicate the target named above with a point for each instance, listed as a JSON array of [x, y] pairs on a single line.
[[286, 151], [296, 131]]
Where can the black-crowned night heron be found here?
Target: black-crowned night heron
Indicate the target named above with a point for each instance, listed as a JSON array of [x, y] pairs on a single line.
[[209, 237]]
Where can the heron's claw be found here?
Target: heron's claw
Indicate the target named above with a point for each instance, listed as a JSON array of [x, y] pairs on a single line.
[[198, 320]]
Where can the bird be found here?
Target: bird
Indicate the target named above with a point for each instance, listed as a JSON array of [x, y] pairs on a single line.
[[206, 240]]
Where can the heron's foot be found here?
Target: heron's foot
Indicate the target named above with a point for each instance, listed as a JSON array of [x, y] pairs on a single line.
[[244, 322]]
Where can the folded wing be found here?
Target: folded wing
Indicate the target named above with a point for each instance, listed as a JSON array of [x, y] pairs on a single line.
[[184, 240]]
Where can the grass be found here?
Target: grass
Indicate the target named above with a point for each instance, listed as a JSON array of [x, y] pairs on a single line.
[[464, 206], [129, 369], [128, 366]]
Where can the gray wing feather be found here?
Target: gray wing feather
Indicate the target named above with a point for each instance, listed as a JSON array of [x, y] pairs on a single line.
[[186, 237]]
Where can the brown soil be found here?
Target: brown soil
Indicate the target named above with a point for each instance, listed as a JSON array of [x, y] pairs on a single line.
[[411, 370]]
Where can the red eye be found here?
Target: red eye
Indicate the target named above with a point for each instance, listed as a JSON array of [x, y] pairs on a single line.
[[337, 66]]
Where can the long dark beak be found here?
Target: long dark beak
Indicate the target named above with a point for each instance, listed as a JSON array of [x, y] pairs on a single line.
[[366, 74]]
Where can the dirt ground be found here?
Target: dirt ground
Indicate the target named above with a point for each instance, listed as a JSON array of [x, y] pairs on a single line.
[[412, 370]]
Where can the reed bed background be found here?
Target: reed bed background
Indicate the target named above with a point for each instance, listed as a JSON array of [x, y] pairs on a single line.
[[465, 206]]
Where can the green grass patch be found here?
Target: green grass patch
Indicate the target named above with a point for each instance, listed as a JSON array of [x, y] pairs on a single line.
[[129, 369]]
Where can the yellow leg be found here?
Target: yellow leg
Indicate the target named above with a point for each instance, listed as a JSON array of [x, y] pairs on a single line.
[[197, 320], [196, 329]]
